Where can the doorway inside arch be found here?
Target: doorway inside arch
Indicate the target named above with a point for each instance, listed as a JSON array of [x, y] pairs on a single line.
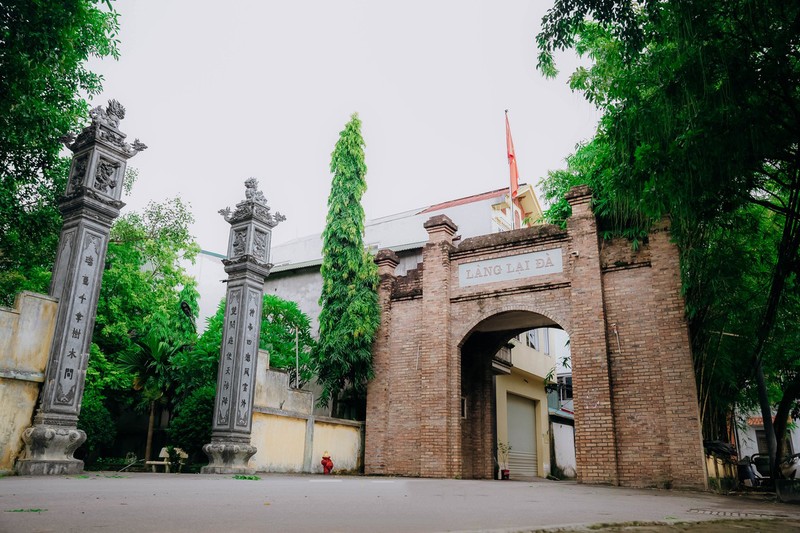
[[516, 384]]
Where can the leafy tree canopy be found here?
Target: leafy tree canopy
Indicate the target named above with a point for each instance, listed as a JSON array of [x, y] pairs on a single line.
[[280, 319], [43, 51], [145, 279], [140, 326], [700, 101], [349, 317]]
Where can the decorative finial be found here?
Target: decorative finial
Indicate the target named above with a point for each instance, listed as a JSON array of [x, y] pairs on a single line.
[[254, 205], [105, 127]]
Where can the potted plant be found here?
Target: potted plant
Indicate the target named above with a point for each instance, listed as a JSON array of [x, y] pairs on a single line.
[[502, 459]]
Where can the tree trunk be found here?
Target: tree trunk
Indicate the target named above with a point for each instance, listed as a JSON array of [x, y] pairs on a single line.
[[150, 423], [766, 415], [782, 417]]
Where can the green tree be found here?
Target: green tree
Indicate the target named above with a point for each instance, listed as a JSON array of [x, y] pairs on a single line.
[[349, 317], [700, 103], [280, 319], [152, 370], [44, 47], [190, 428], [286, 334], [102, 378], [282, 323], [198, 367], [143, 286], [145, 280]]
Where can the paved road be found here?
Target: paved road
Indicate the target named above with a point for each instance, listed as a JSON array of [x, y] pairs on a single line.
[[178, 503]]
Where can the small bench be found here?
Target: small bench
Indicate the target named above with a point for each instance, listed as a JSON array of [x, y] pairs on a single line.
[[164, 456]]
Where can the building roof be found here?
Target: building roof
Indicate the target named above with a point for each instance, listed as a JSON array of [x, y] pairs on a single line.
[[404, 230], [466, 200]]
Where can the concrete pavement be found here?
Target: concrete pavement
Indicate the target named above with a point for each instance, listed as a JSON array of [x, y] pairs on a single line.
[[192, 503]]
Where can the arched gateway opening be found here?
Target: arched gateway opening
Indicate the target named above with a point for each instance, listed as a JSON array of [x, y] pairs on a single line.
[[504, 398], [429, 406]]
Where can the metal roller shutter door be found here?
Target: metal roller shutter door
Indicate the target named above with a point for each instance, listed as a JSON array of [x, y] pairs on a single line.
[[522, 459]]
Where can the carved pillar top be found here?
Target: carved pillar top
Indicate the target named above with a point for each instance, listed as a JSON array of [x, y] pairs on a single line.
[[251, 227], [98, 166]]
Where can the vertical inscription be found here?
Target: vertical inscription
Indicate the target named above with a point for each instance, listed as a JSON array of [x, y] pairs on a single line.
[[250, 355], [227, 351], [76, 332]]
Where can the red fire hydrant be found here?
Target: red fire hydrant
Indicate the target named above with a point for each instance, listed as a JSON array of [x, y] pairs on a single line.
[[327, 464]]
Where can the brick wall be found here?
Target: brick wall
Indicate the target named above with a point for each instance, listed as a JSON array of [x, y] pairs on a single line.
[[637, 421]]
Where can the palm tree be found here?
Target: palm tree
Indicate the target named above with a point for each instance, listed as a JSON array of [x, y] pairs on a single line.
[[149, 362]]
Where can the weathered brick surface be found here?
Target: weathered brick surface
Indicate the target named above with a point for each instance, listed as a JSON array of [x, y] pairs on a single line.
[[595, 433], [636, 413]]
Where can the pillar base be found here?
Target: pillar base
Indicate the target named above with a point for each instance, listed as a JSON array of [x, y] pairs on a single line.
[[229, 458], [48, 451]]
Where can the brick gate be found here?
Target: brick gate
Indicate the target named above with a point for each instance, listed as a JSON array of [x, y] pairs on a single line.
[[430, 406]]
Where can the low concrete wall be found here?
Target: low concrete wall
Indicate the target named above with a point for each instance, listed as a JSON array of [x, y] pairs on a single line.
[[340, 438], [26, 333], [280, 439], [289, 437]]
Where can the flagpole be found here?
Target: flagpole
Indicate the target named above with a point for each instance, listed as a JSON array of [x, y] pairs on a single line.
[[510, 188]]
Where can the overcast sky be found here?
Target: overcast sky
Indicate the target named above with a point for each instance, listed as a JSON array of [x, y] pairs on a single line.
[[221, 91]]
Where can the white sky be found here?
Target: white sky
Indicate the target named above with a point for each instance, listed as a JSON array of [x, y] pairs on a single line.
[[221, 91]]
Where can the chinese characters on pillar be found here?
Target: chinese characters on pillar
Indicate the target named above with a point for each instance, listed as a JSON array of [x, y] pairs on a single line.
[[250, 353], [229, 347], [75, 345]]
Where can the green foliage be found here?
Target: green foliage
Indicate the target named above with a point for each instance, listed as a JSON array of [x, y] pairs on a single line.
[[349, 317], [700, 105], [198, 367], [96, 421], [150, 364], [195, 371], [140, 327], [144, 282], [44, 47], [190, 427], [280, 319], [102, 379]]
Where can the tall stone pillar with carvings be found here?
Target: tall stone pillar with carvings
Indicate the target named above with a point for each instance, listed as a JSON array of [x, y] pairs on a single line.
[[247, 267], [90, 205]]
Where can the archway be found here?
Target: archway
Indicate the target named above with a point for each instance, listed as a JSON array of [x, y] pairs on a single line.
[[503, 396], [636, 414]]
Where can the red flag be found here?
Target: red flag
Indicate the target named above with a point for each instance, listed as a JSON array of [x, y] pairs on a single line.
[[512, 160]]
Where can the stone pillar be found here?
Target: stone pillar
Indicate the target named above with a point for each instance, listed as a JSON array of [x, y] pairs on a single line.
[[376, 427], [90, 205], [595, 432], [247, 267], [682, 427], [440, 377]]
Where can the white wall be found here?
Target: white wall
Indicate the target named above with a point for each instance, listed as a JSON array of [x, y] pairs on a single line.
[[564, 443], [209, 272]]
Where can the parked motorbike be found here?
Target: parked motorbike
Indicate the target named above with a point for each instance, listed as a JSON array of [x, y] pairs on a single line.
[[754, 470]]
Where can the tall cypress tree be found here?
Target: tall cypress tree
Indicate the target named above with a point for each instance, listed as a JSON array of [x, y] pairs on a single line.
[[349, 301]]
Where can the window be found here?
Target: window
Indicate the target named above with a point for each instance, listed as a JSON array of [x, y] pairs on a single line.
[[532, 339], [564, 387], [761, 438], [546, 344], [464, 407]]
